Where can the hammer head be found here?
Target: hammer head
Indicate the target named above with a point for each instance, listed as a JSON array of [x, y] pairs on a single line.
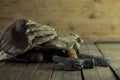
[[62, 63]]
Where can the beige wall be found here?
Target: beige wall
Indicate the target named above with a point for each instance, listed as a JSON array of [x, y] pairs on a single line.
[[91, 19]]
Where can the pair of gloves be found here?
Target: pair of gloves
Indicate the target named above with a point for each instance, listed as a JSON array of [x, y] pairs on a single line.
[[22, 36]]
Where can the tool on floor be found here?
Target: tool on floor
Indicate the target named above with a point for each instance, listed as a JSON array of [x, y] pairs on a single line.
[[70, 64]]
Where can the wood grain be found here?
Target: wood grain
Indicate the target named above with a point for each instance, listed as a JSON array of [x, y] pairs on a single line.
[[66, 75], [26, 71], [98, 73], [89, 74], [113, 51], [91, 19], [12, 71], [37, 71]]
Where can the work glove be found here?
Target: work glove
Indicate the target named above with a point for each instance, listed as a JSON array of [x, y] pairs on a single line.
[[24, 35]]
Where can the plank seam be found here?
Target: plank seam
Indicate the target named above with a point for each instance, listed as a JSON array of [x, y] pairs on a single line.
[[82, 74], [51, 73], [99, 49], [115, 74], [106, 42], [117, 77], [87, 45]]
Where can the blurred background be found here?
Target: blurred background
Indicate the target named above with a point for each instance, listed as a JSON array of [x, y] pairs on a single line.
[[91, 19]]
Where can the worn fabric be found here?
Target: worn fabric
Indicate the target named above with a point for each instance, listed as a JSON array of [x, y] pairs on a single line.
[[67, 41], [23, 35]]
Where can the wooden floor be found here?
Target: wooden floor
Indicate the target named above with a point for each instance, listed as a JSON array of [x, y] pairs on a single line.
[[43, 70]]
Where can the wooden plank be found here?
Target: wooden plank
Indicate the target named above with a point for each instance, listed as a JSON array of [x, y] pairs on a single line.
[[26, 71], [115, 66], [37, 71], [98, 73], [66, 75], [113, 51], [89, 74], [101, 70], [12, 71], [1, 64], [110, 50]]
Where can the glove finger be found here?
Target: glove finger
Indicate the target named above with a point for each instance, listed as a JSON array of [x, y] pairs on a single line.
[[43, 33], [39, 28], [40, 40]]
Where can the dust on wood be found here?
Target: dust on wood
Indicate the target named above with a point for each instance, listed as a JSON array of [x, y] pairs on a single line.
[[98, 73], [113, 51]]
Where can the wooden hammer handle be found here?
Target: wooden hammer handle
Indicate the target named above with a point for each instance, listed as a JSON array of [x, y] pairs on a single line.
[[72, 53]]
